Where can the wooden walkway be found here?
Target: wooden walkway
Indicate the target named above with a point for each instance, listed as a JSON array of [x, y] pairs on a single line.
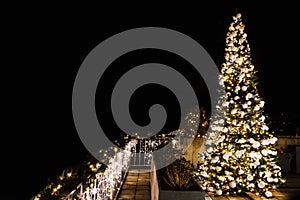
[[136, 185]]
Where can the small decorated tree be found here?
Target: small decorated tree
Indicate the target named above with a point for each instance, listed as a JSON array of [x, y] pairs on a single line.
[[240, 154]]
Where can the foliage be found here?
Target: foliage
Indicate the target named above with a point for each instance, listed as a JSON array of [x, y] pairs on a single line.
[[178, 176]]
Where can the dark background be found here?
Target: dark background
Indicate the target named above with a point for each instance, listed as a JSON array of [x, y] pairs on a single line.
[[45, 45]]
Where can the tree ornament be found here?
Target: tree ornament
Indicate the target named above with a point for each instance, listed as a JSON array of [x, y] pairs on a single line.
[[232, 184], [219, 192], [261, 184], [268, 194], [238, 16], [250, 177]]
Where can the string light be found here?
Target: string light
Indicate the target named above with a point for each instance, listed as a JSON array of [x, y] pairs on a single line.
[[102, 184]]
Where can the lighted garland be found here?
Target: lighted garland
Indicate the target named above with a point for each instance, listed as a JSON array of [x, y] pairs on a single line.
[[66, 183], [106, 184], [69, 179]]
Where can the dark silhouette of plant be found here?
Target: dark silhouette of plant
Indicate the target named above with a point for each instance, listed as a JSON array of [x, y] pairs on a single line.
[[178, 175]]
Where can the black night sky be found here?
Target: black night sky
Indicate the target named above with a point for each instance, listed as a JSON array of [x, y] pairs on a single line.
[[46, 48]]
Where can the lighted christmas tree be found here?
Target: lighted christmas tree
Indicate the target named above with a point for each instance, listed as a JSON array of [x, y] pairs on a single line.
[[241, 153]]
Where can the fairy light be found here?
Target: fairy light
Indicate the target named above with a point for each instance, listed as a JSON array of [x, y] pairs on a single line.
[[105, 184]]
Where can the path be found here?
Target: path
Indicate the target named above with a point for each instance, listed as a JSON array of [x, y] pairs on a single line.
[[136, 185]]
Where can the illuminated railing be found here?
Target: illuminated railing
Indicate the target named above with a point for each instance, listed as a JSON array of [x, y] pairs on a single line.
[[142, 151], [105, 185]]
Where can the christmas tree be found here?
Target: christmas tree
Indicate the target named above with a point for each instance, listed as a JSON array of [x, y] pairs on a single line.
[[241, 153]]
